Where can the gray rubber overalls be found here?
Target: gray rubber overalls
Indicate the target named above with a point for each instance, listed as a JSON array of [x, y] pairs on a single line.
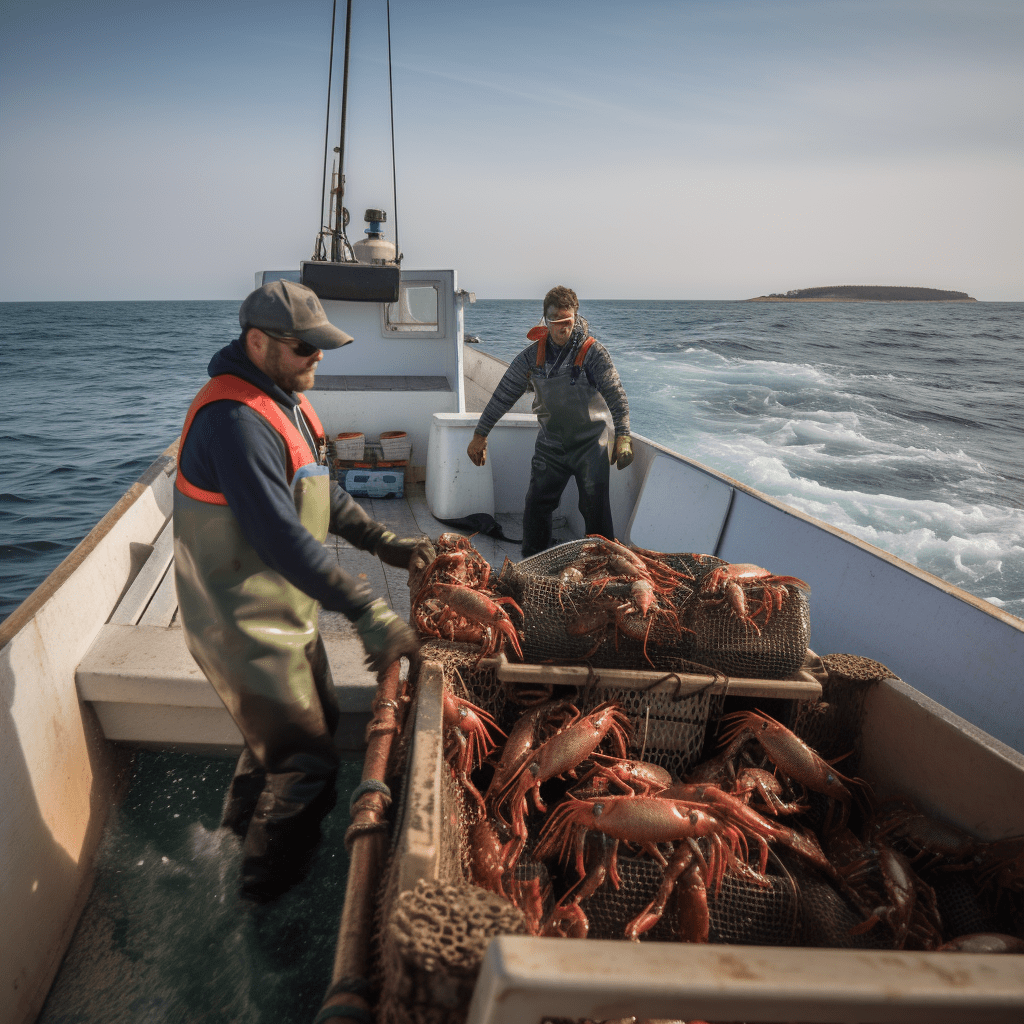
[[256, 638], [575, 440]]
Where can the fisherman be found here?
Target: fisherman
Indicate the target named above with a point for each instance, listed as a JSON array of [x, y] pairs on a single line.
[[253, 504], [583, 413]]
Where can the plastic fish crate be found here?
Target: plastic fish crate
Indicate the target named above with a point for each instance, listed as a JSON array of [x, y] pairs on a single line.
[[911, 746], [373, 483]]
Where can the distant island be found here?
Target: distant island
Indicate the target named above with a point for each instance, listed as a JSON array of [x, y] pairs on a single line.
[[865, 293]]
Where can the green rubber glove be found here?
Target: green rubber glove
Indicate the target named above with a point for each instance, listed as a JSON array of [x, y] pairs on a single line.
[[385, 636], [623, 451], [412, 553]]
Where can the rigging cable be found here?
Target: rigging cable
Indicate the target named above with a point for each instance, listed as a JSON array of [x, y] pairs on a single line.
[[318, 249], [394, 178]]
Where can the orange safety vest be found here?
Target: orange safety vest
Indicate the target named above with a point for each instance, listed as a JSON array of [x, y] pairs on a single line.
[[228, 386], [540, 335]]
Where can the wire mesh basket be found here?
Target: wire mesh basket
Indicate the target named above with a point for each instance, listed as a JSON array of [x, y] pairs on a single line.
[[567, 621]]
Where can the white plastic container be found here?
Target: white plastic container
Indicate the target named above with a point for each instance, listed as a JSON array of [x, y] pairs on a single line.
[[455, 487]]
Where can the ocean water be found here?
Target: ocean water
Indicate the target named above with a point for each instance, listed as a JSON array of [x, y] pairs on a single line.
[[898, 422]]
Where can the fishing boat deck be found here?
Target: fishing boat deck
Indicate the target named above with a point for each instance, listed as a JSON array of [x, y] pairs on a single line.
[[409, 517], [147, 689]]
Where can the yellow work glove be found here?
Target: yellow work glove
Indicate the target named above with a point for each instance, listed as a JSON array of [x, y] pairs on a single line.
[[623, 451], [477, 450]]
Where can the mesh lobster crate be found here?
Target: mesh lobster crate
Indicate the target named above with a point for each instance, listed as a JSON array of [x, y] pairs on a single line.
[[450, 952], [569, 621]]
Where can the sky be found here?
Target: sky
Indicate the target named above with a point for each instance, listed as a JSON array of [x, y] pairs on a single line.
[[660, 150]]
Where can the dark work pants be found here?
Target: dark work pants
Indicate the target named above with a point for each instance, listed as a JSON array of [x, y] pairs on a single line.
[[277, 809], [550, 472]]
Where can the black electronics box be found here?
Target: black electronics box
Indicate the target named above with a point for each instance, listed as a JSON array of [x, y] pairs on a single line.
[[353, 282]]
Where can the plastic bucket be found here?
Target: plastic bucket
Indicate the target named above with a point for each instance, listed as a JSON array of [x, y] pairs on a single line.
[[395, 445], [350, 445]]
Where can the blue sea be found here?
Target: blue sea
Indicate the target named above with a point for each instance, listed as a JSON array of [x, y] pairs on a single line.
[[898, 422]]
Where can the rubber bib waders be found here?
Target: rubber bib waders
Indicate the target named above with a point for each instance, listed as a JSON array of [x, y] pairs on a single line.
[[575, 440], [255, 636]]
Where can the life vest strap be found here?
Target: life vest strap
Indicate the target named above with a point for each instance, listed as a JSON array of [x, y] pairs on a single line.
[[580, 355], [227, 386]]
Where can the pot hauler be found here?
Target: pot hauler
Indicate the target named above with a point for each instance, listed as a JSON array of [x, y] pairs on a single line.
[[253, 505], [583, 414]]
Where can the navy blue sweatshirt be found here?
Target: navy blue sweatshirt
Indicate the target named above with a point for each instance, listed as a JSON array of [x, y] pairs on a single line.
[[234, 451]]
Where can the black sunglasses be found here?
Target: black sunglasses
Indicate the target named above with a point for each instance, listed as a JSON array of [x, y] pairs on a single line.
[[302, 349]]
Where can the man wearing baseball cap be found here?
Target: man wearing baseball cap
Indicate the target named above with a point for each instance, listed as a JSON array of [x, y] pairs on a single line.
[[253, 504]]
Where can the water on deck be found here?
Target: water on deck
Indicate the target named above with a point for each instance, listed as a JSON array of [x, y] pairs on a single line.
[[165, 937]]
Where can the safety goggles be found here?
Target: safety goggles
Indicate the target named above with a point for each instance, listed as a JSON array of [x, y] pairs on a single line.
[[302, 349]]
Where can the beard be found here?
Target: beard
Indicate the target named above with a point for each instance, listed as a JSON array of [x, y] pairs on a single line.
[[280, 368]]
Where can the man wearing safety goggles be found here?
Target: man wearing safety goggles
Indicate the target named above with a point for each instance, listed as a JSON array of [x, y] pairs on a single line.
[[583, 414], [253, 503]]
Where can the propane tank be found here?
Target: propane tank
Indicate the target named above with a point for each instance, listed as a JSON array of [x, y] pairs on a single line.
[[375, 248]]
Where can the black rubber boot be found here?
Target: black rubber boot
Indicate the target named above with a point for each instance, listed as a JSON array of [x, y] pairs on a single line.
[[240, 802], [283, 834]]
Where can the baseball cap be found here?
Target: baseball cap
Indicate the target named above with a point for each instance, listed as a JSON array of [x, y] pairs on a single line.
[[292, 310]]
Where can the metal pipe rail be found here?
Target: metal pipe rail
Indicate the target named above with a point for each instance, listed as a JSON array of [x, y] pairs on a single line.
[[349, 996]]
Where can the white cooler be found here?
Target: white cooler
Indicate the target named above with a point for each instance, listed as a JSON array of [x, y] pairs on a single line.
[[454, 486]]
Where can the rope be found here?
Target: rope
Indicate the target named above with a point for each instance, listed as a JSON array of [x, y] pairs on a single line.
[[350, 985], [394, 178], [368, 786], [357, 829], [361, 987]]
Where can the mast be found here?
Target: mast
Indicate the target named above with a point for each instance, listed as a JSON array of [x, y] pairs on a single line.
[[375, 275], [341, 251]]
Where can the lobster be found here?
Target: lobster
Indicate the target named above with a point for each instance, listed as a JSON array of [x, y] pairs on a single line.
[[729, 580], [645, 822], [489, 846], [562, 754], [473, 608], [467, 739], [928, 837], [640, 777], [625, 618], [736, 811], [789, 754], [523, 738], [882, 884]]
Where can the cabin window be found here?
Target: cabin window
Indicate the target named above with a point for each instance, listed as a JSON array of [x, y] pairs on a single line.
[[415, 312]]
